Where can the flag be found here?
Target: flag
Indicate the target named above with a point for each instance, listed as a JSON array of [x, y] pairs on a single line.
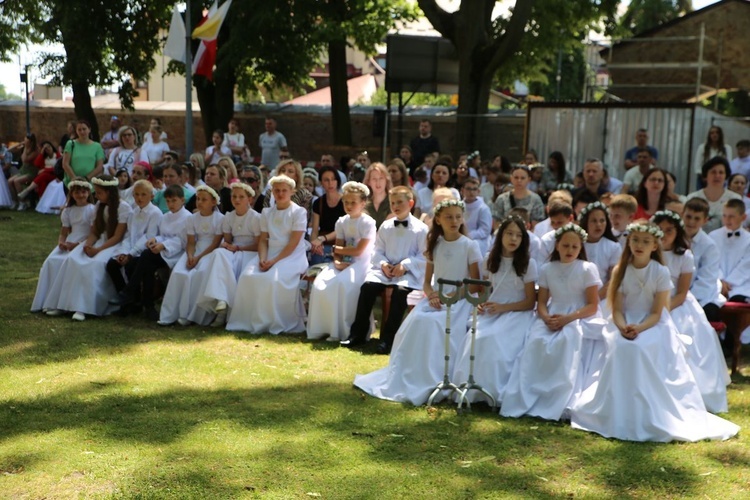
[[209, 29], [205, 59], [175, 46]]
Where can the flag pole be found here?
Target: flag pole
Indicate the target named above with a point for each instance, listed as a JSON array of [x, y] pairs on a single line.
[[188, 85]]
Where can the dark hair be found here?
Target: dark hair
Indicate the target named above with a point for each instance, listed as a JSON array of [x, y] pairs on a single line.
[[520, 256], [125, 170], [583, 195], [174, 191], [560, 208], [335, 175], [642, 197], [70, 200], [448, 183], [743, 143], [556, 255], [681, 242], [711, 163], [158, 172], [44, 143], [560, 160], [584, 223], [698, 205], [112, 207], [707, 146], [521, 212], [731, 177], [738, 205]]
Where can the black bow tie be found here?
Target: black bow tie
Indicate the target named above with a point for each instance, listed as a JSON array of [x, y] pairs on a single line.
[[733, 233], [404, 223]]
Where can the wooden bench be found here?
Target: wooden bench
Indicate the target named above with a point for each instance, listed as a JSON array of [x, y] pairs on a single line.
[[736, 315]]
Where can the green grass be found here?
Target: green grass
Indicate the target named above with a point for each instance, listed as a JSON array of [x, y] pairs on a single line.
[[126, 409]]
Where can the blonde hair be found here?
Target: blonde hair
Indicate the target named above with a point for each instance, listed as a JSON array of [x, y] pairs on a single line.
[[377, 166], [297, 167], [560, 195], [626, 258], [145, 184]]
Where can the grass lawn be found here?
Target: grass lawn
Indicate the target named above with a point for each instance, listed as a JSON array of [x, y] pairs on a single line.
[[127, 409]]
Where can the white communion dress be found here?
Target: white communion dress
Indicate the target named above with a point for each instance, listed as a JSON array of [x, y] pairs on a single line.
[[646, 391]]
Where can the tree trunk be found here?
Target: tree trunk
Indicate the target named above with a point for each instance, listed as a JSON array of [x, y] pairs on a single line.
[[206, 92], [342, 126], [224, 100], [83, 109]]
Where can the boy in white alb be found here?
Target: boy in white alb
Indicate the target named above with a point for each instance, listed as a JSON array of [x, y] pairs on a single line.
[[706, 286], [622, 210], [733, 243], [398, 263], [560, 213], [478, 217]]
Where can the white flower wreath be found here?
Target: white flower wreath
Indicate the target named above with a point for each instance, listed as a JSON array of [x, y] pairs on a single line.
[[592, 206], [645, 228], [571, 228], [103, 183], [667, 213], [242, 185], [565, 186], [355, 187], [284, 179], [82, 184], [209, 190], [448, 203]]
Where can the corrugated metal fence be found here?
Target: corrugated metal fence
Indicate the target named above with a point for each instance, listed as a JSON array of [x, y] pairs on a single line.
[[607, 131]]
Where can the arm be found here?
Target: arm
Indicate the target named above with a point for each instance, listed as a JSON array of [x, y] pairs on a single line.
[[526, 304], [351, 251], [541, 305], [683, 286], [190, 250], [66, 165], [661, 301], [114, 240], [432, 295], [62, 244], [98, 169], [592, 304], [605, 286], [294, 240], [213, 246]]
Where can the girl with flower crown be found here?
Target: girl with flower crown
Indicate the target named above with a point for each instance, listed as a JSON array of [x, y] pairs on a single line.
[[86, 266], [77, 217], [646, 390], [601, 245], [204, 234], [704, 354], [335, 291], [549, 373], [417, 359]]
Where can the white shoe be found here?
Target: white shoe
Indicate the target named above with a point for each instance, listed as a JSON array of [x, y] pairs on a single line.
[[183, 321], [163, 323], [220, 320], [79, 316], [22, 206], [221, 306], [54, 312]]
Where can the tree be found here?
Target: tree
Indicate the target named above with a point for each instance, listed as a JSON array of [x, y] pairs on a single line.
[[521, 44], [643, 15], [5, 95], [106, 42]]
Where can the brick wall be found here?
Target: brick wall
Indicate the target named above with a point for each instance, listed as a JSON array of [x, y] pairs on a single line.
[[308, 133]]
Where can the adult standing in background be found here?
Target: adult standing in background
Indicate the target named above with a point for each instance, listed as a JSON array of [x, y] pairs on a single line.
[[714, 146], [641, 142], [234, 140], [69, 134], [82, 157], [127, 154], [271, 141], [715, 173], [110, 140], [423, 145]]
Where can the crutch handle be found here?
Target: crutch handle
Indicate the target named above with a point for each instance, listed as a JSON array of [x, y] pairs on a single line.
[[446, 298], [481, 297]]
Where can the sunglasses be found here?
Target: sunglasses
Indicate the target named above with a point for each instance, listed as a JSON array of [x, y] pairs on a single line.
[[249, 180]]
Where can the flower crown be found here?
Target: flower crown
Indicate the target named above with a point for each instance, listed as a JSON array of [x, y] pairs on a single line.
[[448, 203], [103, 183], [242, 185], [565, 186], [663, 214], [284, 179], [597, 205], [210, 191], [355, 187], [82, 184], [571, 228], [645, 228], [472, 155]]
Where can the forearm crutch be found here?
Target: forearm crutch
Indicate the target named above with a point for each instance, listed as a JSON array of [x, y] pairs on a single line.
[[448, 300], [470, 384]]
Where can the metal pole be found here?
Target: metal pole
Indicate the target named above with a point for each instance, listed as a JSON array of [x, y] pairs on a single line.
[[188, 84], [28, 111]]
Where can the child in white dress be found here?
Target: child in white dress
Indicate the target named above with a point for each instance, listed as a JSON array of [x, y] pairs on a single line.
[[506, 316], [77, 217], [335, 291], [602, 247], [549, 372], [417, 361], [646, 391], [86, 265], [704, 355], [268, 297], [241, 228], [204, 234]]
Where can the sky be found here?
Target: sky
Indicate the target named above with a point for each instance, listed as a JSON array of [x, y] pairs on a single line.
[[10, 72]]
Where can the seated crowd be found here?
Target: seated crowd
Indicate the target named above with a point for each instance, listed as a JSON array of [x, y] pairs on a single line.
[[598, 299]]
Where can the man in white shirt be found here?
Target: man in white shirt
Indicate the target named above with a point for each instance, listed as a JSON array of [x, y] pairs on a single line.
[[634, 176], [271, 141], [741, 164]]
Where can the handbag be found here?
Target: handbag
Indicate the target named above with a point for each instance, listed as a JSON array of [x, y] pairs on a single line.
[[59, 170]]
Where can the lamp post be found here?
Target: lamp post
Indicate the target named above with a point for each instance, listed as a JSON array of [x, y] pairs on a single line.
[[25, 80]]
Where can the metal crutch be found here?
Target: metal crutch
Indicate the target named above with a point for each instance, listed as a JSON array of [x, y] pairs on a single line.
[[448, 300], [471, 384]]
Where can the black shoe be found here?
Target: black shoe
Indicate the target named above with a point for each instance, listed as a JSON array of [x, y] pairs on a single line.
[[152, 314], [383, 348], [353, 342], [122, 298]]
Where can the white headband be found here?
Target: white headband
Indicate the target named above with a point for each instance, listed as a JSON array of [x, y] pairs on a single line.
[[102, 182], [82, 184], [352, 186], [242, 185], [210, 191], [285, 179]]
